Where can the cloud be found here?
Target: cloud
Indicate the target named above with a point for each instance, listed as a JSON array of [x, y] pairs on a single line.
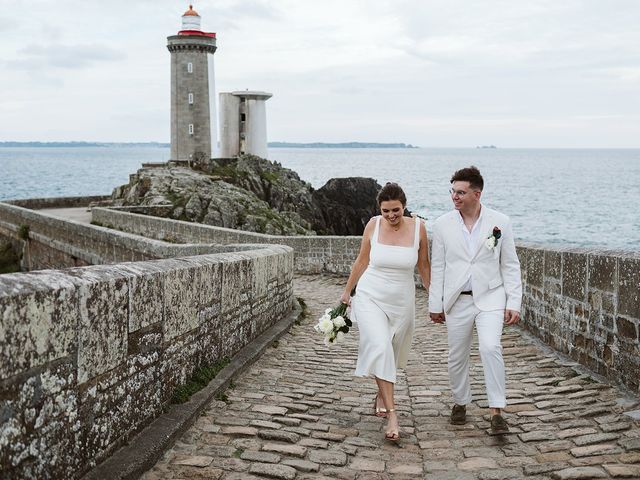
[[64, 56]]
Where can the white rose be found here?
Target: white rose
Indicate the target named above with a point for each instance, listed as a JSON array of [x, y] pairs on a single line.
[[339, 321], [490, 243], [325, 325], [339, 337]]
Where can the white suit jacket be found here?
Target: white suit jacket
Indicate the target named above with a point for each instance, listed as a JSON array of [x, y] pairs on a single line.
[[495, 273]]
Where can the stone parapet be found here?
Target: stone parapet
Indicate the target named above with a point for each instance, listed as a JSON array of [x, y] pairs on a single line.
[[586, 304], [91, 355], [312, 254], [58, 243], [58, 202]]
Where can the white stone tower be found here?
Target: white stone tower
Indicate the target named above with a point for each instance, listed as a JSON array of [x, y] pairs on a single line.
[[243, 123], [193, 107]]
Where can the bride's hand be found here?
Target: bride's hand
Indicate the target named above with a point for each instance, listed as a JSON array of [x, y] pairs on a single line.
[[345, 298]]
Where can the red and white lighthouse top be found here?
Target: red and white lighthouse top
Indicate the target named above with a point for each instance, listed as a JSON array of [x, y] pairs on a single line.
[[191, 24]]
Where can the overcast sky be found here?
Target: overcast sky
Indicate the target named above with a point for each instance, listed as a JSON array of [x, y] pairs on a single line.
[[449, 73]]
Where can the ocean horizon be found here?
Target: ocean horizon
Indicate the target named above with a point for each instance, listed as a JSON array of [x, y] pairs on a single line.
[[554, 196]]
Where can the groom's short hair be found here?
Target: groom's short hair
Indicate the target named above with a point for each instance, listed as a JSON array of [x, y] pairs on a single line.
[[470, 174]]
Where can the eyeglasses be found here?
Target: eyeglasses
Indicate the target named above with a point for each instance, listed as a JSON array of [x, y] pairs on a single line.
[[457, 193]]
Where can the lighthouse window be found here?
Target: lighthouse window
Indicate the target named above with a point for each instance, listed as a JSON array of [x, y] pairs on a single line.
[[190, 67], [190, 98], [191, 129]]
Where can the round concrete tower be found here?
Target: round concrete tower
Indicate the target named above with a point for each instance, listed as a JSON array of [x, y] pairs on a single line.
[[193, 112]]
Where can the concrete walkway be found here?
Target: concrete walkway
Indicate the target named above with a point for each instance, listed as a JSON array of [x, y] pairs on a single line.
[[80, 214], [299, 413]]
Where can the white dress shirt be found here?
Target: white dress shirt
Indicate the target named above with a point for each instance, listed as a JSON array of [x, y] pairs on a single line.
[[471, 239]]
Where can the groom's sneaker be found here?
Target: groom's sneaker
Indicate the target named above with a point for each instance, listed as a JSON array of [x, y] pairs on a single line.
[[498, 425], [458, 415]]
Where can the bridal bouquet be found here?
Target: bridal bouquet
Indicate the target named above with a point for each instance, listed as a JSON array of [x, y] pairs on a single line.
[[334, 324]]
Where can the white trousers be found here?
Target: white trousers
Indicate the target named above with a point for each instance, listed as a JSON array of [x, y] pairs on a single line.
[[459, 323]]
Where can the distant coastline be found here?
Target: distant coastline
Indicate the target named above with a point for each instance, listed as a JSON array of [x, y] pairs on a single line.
[[340, 145], [83, 144], [165, 145]]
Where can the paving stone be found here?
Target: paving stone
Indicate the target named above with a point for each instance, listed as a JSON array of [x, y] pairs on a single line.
[[577, 473], [240, 431], [553, 457], [592, 460], [607, 448], [279, 436], [450, 475], [264, 457], [623, 471], [537, 469], [615, 427], [293, 450], [554, 446], [360, 442], [500, 474], [633, 457], [406, 469], [329, 457], [194, 461], [592, 412], [265, 424], [535, 436], [630, 444], [595, 438], [332, 437], [301, 465], [482, 452], [575, 432], [313, 442], [273, 471], [291, 422], [365, 464], [477, 463], [269, 409]]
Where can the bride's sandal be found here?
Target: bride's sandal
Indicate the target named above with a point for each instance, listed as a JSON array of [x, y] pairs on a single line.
[[378, 411], [392, 435]]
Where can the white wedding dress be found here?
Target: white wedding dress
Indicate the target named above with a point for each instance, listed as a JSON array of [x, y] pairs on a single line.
[[384, 307]]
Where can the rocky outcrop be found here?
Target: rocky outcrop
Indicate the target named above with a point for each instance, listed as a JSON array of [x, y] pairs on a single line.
[[253, 194], [347, 204]]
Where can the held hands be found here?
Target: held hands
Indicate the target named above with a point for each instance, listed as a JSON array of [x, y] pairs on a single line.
[[437, 317], [511, 317]]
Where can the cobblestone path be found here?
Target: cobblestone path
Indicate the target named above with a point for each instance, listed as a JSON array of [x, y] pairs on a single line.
[[299, 413]]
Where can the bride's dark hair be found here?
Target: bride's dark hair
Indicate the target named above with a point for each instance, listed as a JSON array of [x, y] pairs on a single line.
[[392, 191]]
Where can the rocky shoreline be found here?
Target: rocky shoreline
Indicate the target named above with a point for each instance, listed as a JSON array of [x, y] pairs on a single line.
[[252, 194]]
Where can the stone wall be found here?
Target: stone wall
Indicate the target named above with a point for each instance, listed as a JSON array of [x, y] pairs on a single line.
[[312, 254], [586, 304], [58, 202], [56, 243], [91, 355]]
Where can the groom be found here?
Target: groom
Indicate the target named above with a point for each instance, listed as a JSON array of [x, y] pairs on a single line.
[[475, 278]]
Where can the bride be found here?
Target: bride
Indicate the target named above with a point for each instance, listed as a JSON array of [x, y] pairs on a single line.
[[393, 245]]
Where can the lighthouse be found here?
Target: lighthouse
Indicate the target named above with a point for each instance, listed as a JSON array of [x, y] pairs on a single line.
[[193, 108]]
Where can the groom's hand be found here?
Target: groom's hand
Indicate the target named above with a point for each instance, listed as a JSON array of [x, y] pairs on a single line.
[[437, 317], [511, 317]]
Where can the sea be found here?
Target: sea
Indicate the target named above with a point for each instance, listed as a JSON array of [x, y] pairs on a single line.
[[568, 197]]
